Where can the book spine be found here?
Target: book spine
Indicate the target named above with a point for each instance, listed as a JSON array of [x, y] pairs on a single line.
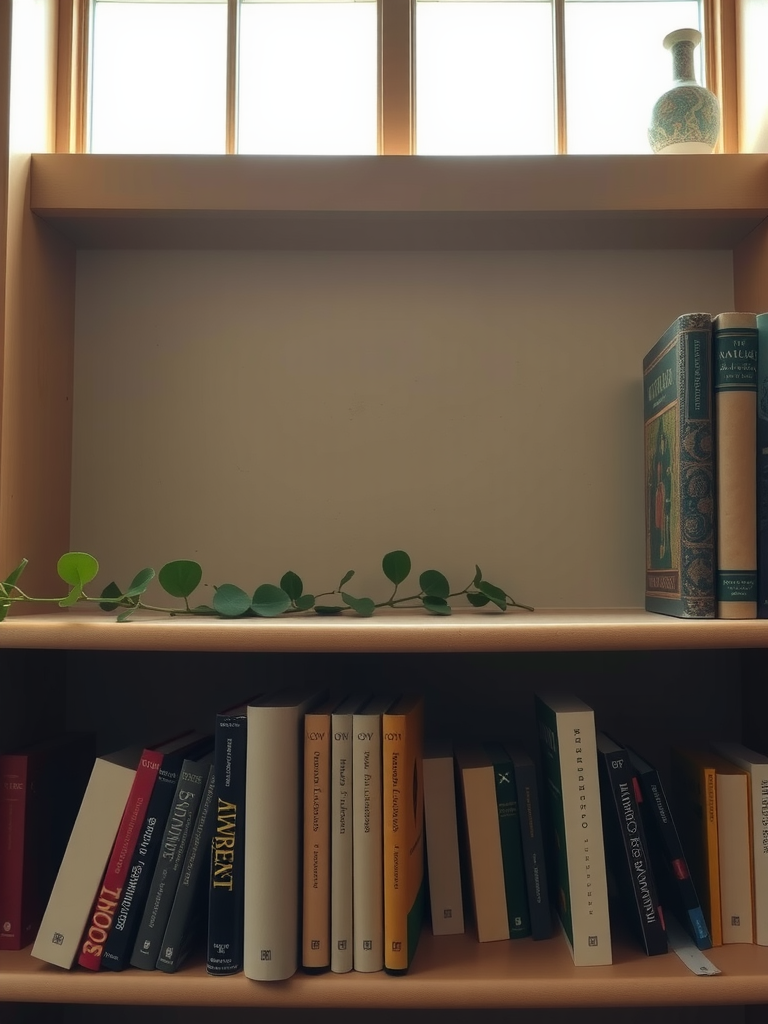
[[508, 810], [442, 843], [679, 471], [162, 890], [569, 759], [735, 420], [119, 945], [13, 809], [108, 898], [759, 822], [402, 749], [316, 907], [186, 913], [762, 465], [342, 945], [533, 850], [734, 850], [227, 867], [367, 849]]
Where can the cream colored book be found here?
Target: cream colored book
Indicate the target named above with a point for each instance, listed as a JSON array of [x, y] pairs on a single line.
[[442, 839], [734, 378], [734, 841], [86, 857]]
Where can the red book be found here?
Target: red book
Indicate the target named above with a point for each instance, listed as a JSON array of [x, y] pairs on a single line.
[[37, 813], [108, 899]]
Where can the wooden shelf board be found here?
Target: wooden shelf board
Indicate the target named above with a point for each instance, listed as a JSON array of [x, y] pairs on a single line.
[[277, 202], [387, 631], [447, 972]]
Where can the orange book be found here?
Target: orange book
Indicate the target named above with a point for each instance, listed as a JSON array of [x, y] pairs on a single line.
[[316, 903], [402, 746], [694, 789]]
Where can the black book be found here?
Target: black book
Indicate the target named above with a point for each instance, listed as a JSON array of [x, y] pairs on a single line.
[[190, 905], [119, 945], [531, 834], [227, 869], [165, 878], [627, 856], [667, 855]]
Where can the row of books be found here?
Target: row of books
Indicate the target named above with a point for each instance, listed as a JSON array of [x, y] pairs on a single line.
[[705, 386]]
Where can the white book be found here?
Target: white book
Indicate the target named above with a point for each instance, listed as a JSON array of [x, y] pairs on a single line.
[[274, 832], [368, 836], [442, 839], [734, 847], [757, 766], [86, 857], [342, 949]]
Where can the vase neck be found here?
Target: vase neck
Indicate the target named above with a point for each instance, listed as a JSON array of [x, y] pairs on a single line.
[[682, 61]]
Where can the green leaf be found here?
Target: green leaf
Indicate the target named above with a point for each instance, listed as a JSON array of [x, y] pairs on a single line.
[[328, 609], [495, 594], [203, 609], [477, 600], [346, 578], [140, 582], [115, 595], [434, 584], [77, 568], [4, 606], [305, 602], [72, 597], [292, 585], [230, 601], [270, 601], [436, 605], [12, 580], [123, 616], [478, 576], [181, 577], [362, 605], [396, 566]]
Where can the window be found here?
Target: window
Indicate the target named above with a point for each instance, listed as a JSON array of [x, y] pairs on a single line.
[[475, 77]]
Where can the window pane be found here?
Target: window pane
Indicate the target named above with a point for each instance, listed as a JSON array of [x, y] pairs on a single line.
[[484, 78], [158, 81], [616, 69], [307, 78]]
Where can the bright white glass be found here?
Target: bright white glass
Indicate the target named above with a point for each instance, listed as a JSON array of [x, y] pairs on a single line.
[[158, 79], [484, 78], [617, 67], [307, 78]]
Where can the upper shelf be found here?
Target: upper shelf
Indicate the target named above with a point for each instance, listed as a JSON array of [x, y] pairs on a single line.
[[386, 632], [401, 202]]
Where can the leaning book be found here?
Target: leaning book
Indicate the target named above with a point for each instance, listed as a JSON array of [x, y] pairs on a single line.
[[679, 471]]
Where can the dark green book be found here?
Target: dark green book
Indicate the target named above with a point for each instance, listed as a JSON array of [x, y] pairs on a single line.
[[679, 471], [518, 914], [532, 836]]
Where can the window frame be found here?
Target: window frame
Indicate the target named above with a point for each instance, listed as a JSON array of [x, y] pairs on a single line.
[[396, 107]]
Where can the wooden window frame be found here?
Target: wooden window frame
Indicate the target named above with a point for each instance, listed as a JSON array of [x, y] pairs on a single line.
[[396, 113]]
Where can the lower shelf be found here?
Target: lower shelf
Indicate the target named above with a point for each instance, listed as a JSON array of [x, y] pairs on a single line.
[[448, 972]]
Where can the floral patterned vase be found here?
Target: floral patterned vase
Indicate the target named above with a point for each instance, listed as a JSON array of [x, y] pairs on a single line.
[[686, 119]]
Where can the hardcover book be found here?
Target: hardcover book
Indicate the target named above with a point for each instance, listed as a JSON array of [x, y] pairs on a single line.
[[673, 875], [36, 819], [679, 471], [165, 878], [734, 841], [762, 465], [189, 912], [86, 857], [442, 839], [402, 748], [735, 428], [627, 852], [273, 832], [569, 763], [532, 836]]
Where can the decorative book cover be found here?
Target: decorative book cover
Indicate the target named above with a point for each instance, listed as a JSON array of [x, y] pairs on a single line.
[[762, 465], [671, 869], [735, 427], [569, 763], [36, 819], [402, 750], [442, 839], [529, 798], [627, 852], [679, 471]]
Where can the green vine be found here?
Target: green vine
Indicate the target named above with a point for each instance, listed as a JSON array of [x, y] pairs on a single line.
[[180, 578]]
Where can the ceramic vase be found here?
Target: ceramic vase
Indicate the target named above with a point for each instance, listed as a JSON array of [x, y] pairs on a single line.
[[686, 118]]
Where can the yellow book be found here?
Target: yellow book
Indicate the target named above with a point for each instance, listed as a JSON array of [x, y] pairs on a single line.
[[402, 744]]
